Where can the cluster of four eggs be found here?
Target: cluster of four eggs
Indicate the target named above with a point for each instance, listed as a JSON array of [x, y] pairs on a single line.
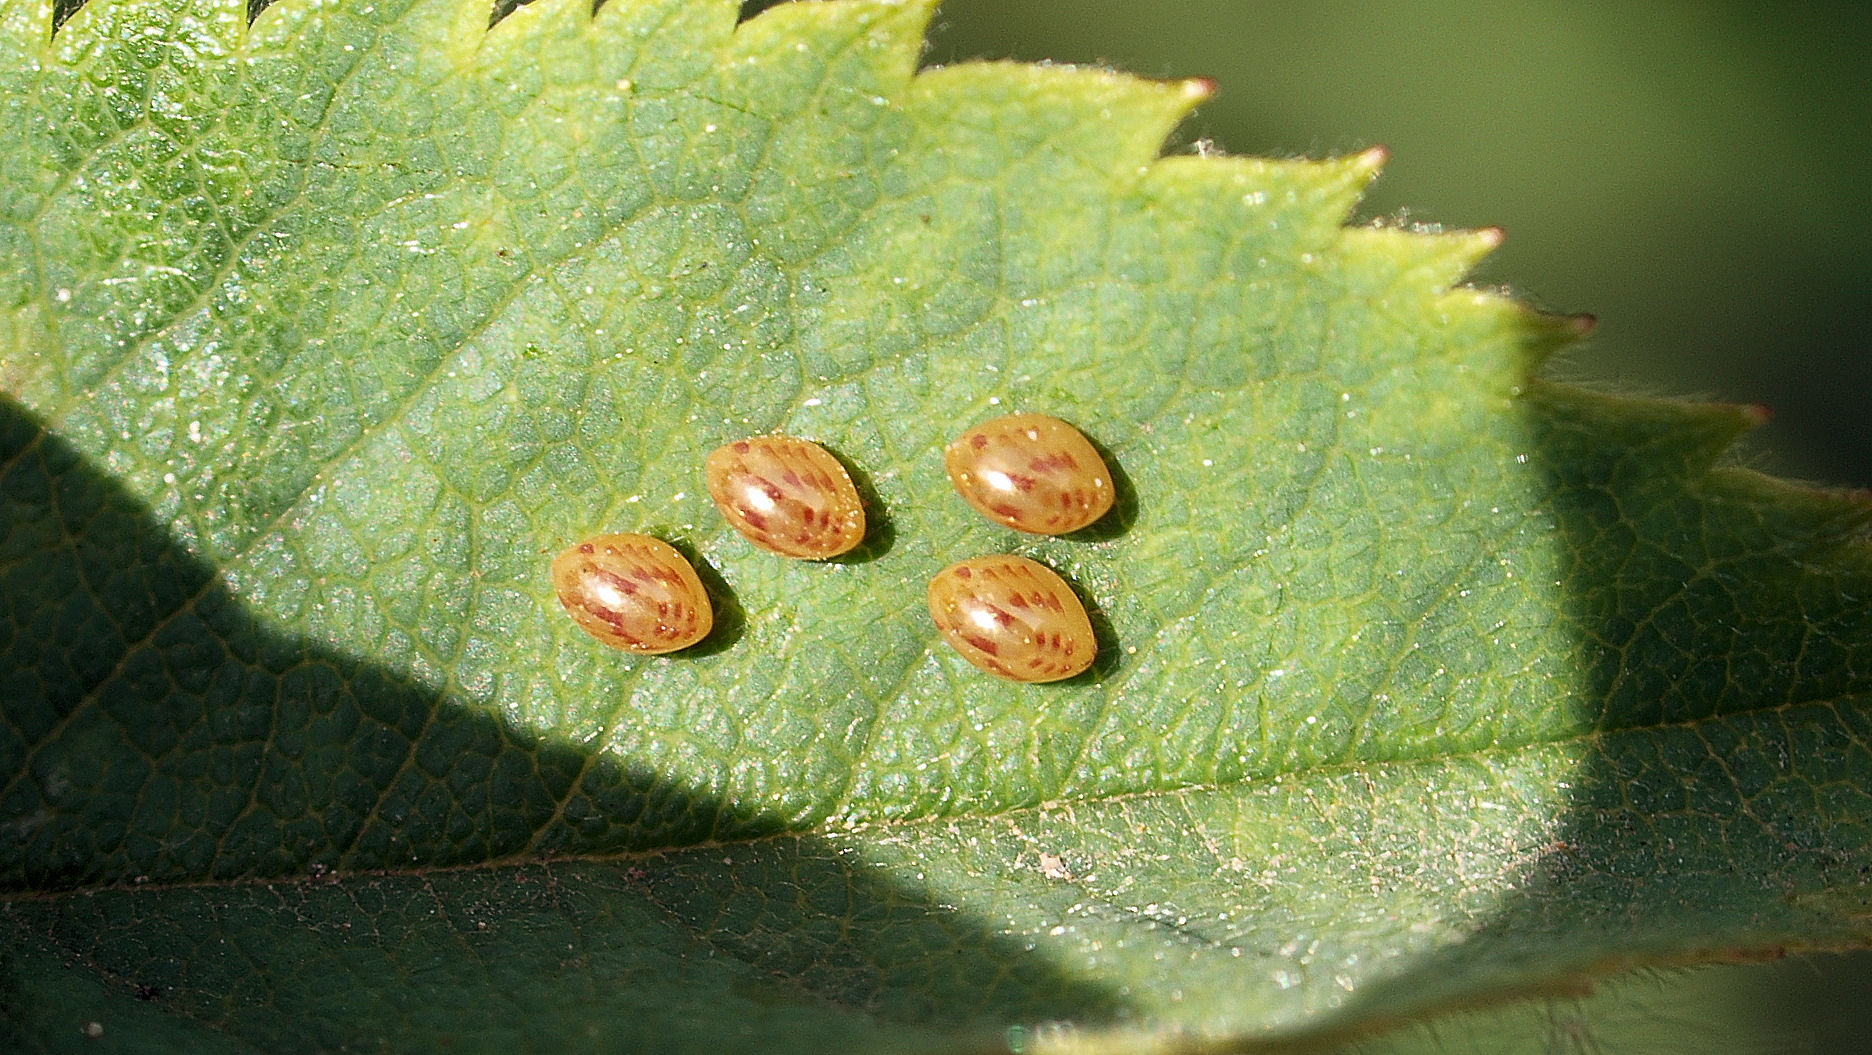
[[1006, 614]]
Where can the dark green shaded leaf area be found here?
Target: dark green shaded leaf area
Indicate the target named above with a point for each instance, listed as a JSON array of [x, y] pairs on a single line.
[[1423, 682]]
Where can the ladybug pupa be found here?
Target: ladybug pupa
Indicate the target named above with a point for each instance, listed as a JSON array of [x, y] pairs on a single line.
[[1032, 473], [786, 495], [633, 592], [1013, 617]]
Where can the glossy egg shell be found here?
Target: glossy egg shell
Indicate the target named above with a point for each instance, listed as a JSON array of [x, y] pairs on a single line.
[[633, 592], [1013, 617], [1032, 473], [786, 495]]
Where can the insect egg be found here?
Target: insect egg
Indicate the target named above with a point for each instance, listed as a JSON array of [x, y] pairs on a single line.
[[1030, 472], [787, 496], [1013, 617], [633, 592]]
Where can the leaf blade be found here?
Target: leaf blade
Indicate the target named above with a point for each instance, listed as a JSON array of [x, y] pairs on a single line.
[[320, 424]]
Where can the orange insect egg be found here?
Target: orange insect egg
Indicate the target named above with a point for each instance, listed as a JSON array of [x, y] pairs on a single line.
[[787, 496], [1030, 472], [633, 592], [1013, 617]]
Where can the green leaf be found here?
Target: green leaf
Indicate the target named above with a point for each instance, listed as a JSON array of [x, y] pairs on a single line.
[[1423, 682]]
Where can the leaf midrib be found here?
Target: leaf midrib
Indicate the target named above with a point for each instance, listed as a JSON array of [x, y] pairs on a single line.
[[854, 832]]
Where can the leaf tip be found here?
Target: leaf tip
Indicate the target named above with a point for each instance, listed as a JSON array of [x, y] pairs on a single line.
[[1549, 332], [1198, 90]]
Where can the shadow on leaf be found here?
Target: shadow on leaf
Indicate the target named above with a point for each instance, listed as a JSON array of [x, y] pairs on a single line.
[[233, 837], [1716, 809]]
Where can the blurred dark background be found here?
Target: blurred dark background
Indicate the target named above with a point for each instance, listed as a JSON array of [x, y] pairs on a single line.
[[1694, 174]]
